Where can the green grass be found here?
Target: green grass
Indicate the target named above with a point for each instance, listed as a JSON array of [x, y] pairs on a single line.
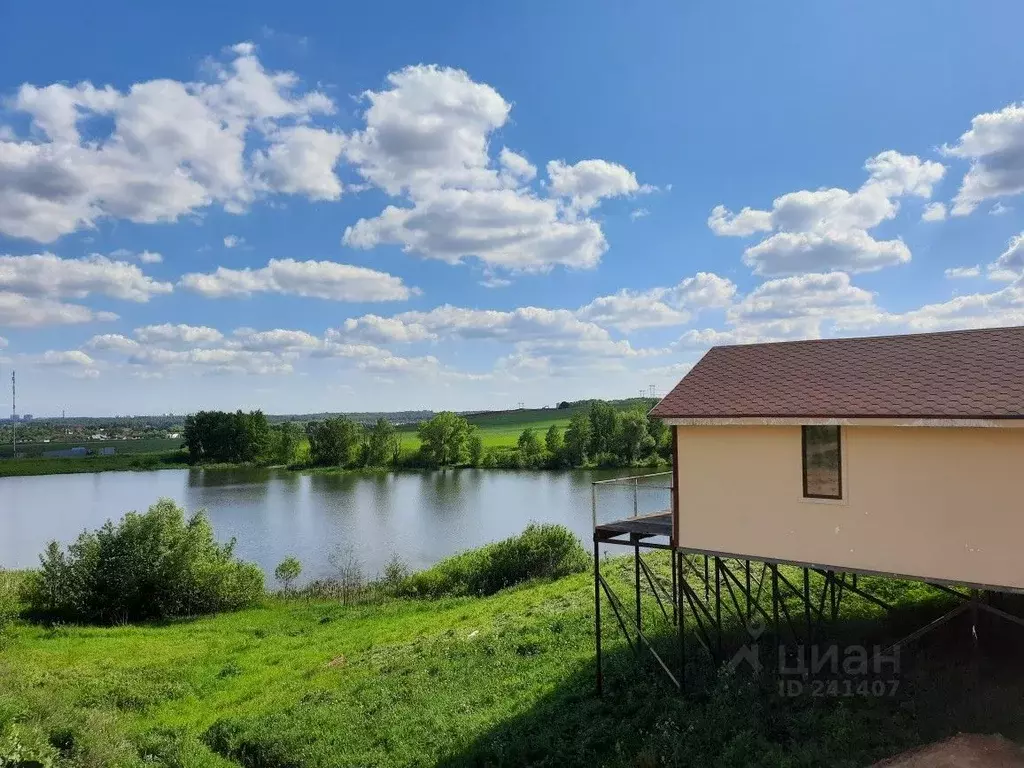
[[500, 680], [497, 435], [64, 466], [501, 429]]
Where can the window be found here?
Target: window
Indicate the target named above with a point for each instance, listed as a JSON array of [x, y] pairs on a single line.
[[823, 478]]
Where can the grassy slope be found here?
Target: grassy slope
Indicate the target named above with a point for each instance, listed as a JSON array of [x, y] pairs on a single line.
[[497, 434], [500, 680], [499, 429]]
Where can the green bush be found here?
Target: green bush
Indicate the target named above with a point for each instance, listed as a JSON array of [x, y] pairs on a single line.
[[9, 603], [25, 747], [540, 551], [287, 571], [155, 565]]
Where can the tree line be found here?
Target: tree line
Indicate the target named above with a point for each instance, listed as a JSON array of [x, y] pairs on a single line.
[[239, 438], [597, 435], [601, 435]]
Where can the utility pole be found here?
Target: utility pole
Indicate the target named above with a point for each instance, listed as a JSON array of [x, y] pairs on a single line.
[[14, 413]]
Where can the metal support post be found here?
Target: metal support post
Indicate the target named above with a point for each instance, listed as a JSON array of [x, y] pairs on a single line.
[[597, 614], [636, 570]]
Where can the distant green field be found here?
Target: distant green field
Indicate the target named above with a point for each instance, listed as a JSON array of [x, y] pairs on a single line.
[[125, 447], [75, 465], [501, 429]]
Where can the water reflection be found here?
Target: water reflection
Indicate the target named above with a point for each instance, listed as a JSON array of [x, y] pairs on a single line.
[[421, 516]]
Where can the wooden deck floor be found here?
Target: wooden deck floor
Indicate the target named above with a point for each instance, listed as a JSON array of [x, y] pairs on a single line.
[[643, 526]]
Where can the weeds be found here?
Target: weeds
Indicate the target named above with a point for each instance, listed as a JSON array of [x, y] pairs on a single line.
[[541, 551]]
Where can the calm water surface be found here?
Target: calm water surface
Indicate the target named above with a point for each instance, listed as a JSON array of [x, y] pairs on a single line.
[[421, 516]]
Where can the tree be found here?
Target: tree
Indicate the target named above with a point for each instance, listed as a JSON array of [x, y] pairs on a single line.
[[554, 441], [444, 439], [253, 436], [287, 571], [604, 423], [577, 439], [529, 447], [658, 429], [382, 444], [476, 450], [228, 437], [332, 441], [285, 443], [633, 440]]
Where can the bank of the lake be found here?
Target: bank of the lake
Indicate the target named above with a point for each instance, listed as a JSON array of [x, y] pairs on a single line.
[[500, 680], [33, 466]]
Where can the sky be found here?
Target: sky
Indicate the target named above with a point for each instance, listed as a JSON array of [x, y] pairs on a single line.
[[308, 207]]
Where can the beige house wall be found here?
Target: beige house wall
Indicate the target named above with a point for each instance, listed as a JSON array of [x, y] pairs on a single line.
[[938, 503]]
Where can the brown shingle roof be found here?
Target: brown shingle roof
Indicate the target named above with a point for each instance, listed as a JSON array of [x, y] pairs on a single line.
[[955, 374]]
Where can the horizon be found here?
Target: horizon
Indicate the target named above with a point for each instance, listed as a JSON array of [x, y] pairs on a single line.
[[469, 207]]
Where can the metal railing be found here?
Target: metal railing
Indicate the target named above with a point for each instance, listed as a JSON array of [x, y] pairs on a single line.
[[640, 484]]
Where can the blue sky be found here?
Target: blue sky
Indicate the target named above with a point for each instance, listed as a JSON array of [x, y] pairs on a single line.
[[306, 208]]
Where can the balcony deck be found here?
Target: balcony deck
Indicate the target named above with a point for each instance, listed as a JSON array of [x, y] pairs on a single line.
[[639, 527]]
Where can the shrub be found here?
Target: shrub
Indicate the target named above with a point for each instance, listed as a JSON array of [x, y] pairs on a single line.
[[9, 607], [540, 551], [287, 571], [395, 574], [25, 747], [154, 565]]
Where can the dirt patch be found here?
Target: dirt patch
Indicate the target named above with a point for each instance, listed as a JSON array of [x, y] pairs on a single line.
[[966, 750]]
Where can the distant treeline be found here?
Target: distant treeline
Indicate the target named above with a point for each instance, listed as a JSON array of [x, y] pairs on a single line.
[[597, 435], [601, 435]]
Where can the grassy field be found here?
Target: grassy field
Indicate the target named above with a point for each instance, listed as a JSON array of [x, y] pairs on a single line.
[[122, 447], [500, 430], [502, 680], [67, 466]]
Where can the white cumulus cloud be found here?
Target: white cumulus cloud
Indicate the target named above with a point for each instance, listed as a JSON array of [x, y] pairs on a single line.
[[45, 274], [631, 310], [956, 273], [995, 146], [178, 333], [315, 279], [426, 139], [504, 228], [934, 212], [174, 148], [301, 161], [1010, 264], [587, 182], [827, 229], [20, 311]]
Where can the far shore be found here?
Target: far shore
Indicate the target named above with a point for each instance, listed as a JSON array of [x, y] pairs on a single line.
[[148, 462]]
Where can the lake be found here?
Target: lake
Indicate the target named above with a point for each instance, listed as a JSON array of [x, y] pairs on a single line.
[[420, 516]]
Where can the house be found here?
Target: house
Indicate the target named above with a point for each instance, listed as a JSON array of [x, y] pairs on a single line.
[[894, 454], [800, 466]]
